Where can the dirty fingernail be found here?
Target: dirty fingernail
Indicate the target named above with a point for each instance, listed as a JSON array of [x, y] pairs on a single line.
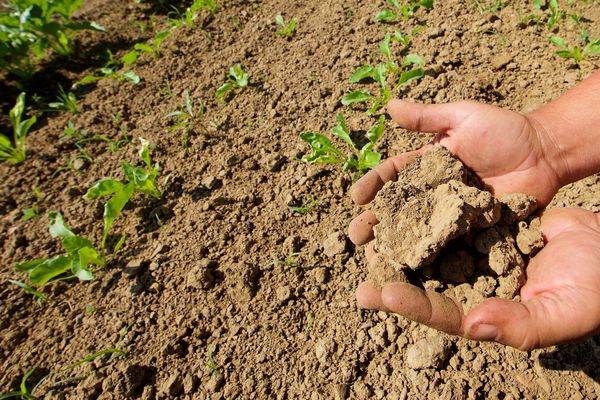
[[483, 332]]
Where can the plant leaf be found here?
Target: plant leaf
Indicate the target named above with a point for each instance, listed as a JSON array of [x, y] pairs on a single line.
[[386, 15], [58, 227], [362, 72], [341, 130], [103, 187], [408, 76], [113, 208], [376, 132], [356, 96], [49, 269]]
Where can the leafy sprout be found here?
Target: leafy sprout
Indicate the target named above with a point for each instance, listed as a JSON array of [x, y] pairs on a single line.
[[15, 154], [360, 160], [153, 48], [41, 297], [238, 79], [186, 119], [138, 180], [113, 69], [588, 47], [287, 29], [308, 205], [80, 254], [288, 261], [409, 69], [399, 9], [66, 101], [552, 13], [29, 29]]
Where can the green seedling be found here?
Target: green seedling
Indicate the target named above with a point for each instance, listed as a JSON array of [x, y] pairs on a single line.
[[40, 297], [153, 48], [409, 69], [113, 69], [286, 29], [80, 255], [359, 161], [66, 101], [490, 6], [402, 9], [552, 13], [15, 154], [33, 211], [138, 180], [210, 361], [589, 48], [308, 205], [190, 15], [288, 261], [238, 79], [29, 29], [23, 391], [81, 136], [186, 120]]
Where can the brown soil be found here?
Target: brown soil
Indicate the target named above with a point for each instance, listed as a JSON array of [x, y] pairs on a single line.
[[437, 215], [196, 275]]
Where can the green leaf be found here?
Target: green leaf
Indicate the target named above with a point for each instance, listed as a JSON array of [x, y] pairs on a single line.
[[103, 187], [119, 244], [49, 269], [28, 265], [144, 47], [29, 289], [113, 208], [341, 130], [323, 151], [362, 72], [130, 58], [356, 96], [408, 76], [279, 20], [221, 91], [145, 152], [73, 244], [368, 159], [384, 46], [558, 41], [386, 15], [132, 77], [376, 132], [412, 59], [58, 227], [426, 4]]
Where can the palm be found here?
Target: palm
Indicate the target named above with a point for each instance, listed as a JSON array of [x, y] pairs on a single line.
[[502, 147], [561, 299]]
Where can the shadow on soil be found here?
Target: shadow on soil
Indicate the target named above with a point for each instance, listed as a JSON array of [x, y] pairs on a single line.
[[583, 357]]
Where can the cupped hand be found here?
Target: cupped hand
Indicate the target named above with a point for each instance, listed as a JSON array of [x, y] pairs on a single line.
[[560, 302]]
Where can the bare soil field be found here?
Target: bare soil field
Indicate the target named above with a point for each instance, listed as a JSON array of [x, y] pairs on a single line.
[[220, 291]]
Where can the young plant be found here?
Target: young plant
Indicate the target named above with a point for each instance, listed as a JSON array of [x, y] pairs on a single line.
[[589, 48], [553, 14], [66, 101], [15, 154], [190, 15], [33, 211], [79, 255], [288, 261], [308, 205], [238, 79], [28, 289], [138, 180], [287, 29], [408, 70], [31, 28], [112, 69], [81, 136], [359, 161], [154, 47], [402, 9], [186, 120]]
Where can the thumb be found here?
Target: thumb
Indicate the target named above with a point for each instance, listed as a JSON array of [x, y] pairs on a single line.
[[432, 118], [524, 325]]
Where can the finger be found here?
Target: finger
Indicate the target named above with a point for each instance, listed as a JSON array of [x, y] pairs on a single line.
[[360, 230], [365, 189], [369, 296], [426, 307], [524, 325], [554, 222], [432, 118]]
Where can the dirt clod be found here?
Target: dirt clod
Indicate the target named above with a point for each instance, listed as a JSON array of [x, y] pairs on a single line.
[[439, 219], [429, 352]]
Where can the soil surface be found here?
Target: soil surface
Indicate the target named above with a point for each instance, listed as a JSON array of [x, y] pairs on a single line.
[[224, 292]]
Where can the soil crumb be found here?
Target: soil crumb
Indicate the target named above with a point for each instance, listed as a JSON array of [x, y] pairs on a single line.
[[439, 219]]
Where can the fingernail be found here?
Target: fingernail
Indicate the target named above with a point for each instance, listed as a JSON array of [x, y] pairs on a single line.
[[483, 332]]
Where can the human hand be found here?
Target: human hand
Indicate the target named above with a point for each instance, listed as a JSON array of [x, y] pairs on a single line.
[[560, 302], [509, 151]]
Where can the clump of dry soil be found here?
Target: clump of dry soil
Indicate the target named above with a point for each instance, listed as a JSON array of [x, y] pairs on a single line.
[[440, 220]]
